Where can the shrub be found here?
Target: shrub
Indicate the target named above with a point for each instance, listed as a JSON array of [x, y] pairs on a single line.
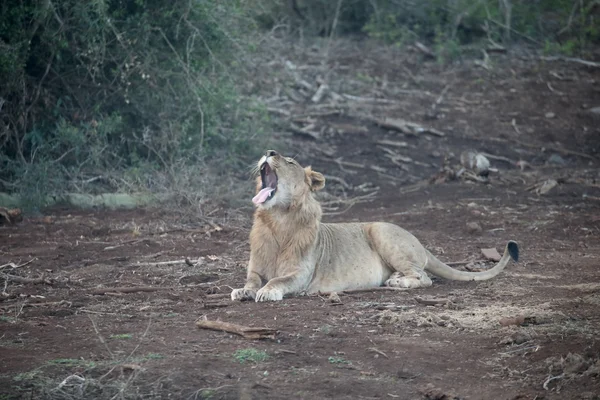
[[96, 87]]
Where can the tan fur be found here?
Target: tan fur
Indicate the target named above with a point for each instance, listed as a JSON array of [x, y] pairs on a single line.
[[292, 251]]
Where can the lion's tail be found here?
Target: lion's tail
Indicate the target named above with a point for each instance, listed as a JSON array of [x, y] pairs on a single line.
[[442, 270]]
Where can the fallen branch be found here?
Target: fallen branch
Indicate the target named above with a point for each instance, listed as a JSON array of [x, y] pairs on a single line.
[[245, 331], [20, 279], [304, 132], [15, 266], [392, 143], [550, 379], [573, 60], [134, 289], [368, 99], [409, 128], [155, 264], [218, 296], [376, 350]]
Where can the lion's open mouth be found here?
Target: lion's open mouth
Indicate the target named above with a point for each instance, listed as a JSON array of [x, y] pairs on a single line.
[[269, 184]]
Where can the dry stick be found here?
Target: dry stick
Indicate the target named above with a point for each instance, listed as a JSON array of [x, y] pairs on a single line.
[[155, 264], [101, 337], [550, 379], [20, 279], [218, 296], [245, 331], [133, 289], [574, 60], [341, 181], [376, 350], [15, 266], [392, 143], [499, 158]]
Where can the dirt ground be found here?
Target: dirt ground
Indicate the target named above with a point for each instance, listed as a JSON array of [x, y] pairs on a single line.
[[69, 335]]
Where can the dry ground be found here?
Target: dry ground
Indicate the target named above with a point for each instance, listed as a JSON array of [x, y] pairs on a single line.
[[64, 338]]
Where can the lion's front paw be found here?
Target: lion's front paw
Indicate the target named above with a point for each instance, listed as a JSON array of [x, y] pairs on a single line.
[[243, 294], [269, 294]]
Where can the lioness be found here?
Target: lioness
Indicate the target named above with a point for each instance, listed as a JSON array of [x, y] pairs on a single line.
[[293, 251]]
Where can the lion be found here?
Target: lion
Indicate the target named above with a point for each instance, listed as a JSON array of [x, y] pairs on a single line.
[[292, 251]]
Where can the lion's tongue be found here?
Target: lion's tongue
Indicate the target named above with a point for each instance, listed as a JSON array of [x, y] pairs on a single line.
[[262, 196]]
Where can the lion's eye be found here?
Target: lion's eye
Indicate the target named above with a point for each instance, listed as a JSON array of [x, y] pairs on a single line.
[[289, 161]]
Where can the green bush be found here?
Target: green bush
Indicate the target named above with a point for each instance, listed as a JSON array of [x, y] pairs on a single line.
[[110, 85]]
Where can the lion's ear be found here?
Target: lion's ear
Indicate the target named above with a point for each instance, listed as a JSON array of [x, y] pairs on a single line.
[[315, 179]]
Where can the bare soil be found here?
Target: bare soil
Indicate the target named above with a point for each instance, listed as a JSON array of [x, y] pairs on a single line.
[[65, 338]]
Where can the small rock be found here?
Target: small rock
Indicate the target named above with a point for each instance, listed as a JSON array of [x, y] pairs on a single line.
[[334, 298], [491, 254], [550, 115], [556, 160], [474, 227]]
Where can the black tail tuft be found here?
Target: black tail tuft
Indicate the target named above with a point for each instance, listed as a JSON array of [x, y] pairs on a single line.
[[513, 250]]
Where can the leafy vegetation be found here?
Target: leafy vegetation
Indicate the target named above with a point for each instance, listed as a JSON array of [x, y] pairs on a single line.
[[102, 94]]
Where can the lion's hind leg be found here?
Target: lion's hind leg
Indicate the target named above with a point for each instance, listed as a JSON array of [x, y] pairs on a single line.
[[401, 252]]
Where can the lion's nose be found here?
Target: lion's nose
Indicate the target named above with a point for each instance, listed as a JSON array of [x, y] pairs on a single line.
[[271, 153]]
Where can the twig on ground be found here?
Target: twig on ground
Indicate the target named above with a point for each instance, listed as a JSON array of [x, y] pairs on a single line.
[[15, 266], [65, 381], [550, 379], [245, 331], [100, 337], [554, 90], [159, 263], [368, 99], [20, 279], [304, 131], [407, 127], [83, 310], [341, 181], [48, 303], [217, 296], [133, 289], [440, 97], [499, 158], [376, 350], [587, 63], [393, 143]]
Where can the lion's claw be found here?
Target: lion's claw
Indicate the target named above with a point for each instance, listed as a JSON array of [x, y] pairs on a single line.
[[269, 294], [243, 294]]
